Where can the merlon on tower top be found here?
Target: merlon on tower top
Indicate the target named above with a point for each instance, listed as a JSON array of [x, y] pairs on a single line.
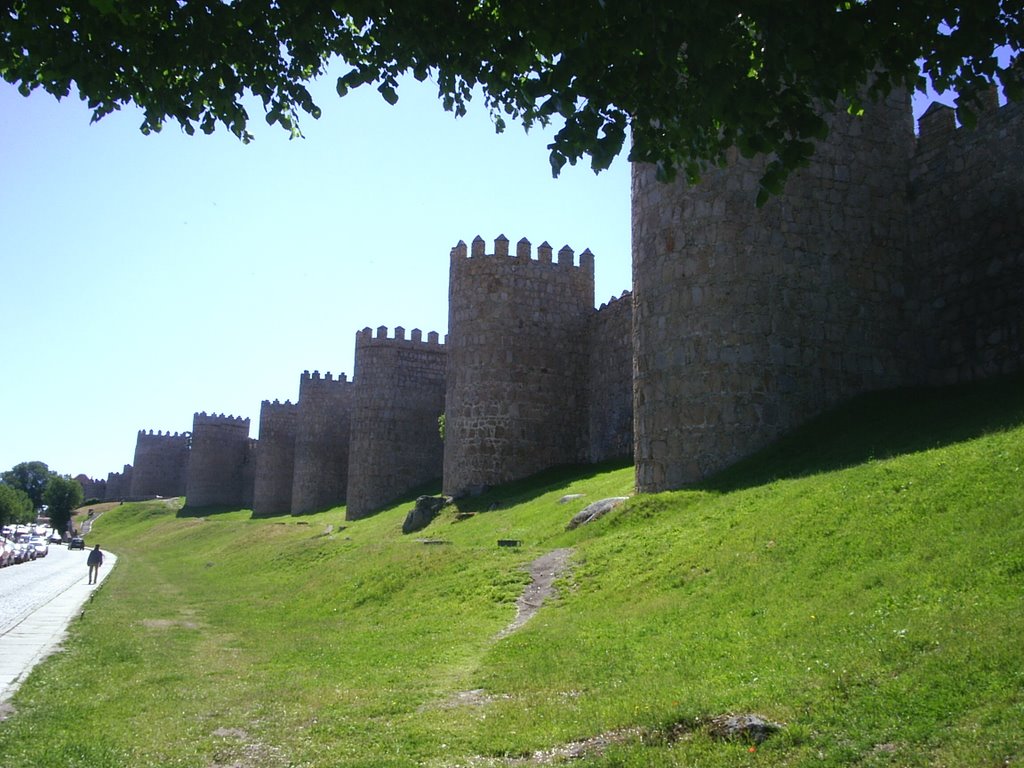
[[219, 418], [938, 124], [315, 376], [523, 252], [366, 338]]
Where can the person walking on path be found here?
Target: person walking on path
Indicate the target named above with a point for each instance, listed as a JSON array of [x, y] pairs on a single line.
[[94, 562]]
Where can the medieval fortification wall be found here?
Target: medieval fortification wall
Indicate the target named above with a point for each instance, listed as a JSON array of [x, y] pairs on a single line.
[[161, 464], [275, 458], [119, 484], [220, 468], [399, 395], [517, 354], [966, 249], [609, 380], [322, 439], [886, 262], [889, 260], [92, 489]]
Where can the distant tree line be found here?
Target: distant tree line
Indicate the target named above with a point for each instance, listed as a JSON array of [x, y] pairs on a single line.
[[28, 486]]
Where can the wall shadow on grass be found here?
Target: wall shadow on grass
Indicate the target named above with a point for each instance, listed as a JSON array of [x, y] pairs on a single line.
[[211, 511], [882, 425], [878, 425], [529, 488]]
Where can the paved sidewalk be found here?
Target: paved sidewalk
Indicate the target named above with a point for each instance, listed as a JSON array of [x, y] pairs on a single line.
[[39, 634]]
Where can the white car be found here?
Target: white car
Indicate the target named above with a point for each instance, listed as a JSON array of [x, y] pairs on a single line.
[[23, 552], [6, 552], [40, 545]]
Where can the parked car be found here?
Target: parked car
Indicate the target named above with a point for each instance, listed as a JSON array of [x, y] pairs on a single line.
[[77, 542], [24, 552], [40, 545], [6, 552]]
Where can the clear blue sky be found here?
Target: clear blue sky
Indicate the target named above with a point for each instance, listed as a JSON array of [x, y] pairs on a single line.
[[146, 278]]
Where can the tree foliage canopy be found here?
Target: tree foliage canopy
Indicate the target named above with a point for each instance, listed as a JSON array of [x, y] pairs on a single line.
[[63, 495], [30, 477], [687, 80], [15, 505]]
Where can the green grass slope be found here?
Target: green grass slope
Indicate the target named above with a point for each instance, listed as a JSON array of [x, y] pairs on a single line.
[[861, 582]]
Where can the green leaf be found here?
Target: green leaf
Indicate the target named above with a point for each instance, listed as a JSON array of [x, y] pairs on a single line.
[[103, 6], [968, 119], [558, 161], [389, 93]]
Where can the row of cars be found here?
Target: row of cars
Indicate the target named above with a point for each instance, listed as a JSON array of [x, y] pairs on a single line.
[[22, 543]]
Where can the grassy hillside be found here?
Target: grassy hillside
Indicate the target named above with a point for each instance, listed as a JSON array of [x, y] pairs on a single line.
[[861, 583]]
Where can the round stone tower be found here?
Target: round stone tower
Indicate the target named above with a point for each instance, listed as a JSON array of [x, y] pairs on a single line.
[[217, 464], [517, 358], [748, 321], [399, 395], [322, 435], [275, 459], [161, 463]]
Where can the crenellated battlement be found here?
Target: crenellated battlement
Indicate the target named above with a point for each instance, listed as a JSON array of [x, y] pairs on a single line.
[[399, 393], [219, 466], [161, 434], [366, 338], [275, 458], [524, 253], [218, 419], [161, 459], [323, 389], [886, 261], [889, 259], [518, 345], [626, 296], [938, 123], [315, 376]]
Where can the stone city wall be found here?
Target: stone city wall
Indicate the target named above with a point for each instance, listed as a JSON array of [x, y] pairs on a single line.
[[888, 261], [275, 459], [517, 357], [966, 208], [748, 321], [399, 395], [218, 467], [119, 484], [323, 432], [609, 380], [92, 489], [161, 465]]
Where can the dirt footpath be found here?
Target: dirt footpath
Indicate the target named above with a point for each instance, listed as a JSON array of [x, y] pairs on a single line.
[[544, 571]]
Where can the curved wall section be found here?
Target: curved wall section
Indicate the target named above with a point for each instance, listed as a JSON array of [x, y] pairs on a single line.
[[517, 356]]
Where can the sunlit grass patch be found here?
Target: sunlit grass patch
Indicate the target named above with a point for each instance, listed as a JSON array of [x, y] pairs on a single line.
[[867, 596]]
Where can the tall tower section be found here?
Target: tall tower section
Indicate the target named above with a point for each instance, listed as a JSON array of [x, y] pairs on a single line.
[[517, 356], [219, 470], [119, 484], [749, 321], [610, 380], [322, 438], [275, 459], [967, 242], [399, 395], [161, 464], [92, 489]]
